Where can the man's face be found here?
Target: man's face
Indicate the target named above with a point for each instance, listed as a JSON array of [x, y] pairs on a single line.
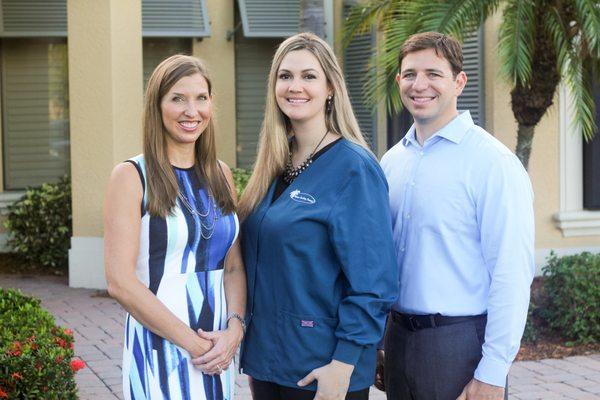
[[428, 88]]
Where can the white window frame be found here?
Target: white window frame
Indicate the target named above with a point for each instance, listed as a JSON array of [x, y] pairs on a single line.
[[572, 219]]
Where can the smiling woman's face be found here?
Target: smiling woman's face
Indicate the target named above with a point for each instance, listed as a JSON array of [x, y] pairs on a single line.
[[301, 89], [186, 109]]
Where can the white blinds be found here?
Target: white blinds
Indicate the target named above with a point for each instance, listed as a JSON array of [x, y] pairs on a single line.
[[35, 111]]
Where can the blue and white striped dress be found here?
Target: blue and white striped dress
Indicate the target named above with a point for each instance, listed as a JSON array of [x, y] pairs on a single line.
[[181, 261]]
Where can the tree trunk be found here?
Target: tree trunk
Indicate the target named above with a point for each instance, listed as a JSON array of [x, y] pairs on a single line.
[[312, 17], [531, 101], [524, 142]]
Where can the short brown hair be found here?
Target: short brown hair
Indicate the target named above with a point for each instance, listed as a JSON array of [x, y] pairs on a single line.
[[444, 46]]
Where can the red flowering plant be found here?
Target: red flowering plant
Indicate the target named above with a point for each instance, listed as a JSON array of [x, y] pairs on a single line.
[[36, 356]]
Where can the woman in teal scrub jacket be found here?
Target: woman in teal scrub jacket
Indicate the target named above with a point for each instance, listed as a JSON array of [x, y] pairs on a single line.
[[317, 237]]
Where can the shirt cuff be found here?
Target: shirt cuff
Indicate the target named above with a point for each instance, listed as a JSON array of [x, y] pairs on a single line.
[[492, 372], [347, 352]]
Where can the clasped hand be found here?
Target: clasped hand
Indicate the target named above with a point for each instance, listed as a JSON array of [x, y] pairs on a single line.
[[218, 358], [333, 380]]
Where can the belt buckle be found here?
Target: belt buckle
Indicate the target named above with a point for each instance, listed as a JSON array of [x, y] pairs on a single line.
[[413, 324]]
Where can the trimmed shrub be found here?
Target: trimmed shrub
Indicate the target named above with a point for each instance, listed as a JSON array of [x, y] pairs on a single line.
[[537, 315], [240, 177], [572, 291], [40, 225], [35, 354]]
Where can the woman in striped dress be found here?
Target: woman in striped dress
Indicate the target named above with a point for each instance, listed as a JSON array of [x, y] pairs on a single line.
[[171, 251]]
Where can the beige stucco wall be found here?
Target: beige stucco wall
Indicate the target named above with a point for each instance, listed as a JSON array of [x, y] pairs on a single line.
[[544, 164], [105, 89], [219, 55]]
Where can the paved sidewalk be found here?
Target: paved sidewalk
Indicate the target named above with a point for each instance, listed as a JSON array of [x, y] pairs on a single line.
[[97, 323]]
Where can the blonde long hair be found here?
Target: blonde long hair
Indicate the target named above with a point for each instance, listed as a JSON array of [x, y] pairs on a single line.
[[162, 183], [273, 146]]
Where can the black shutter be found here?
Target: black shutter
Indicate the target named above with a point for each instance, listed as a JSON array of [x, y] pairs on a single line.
[[472, 97], [591, 162], [356, 65]]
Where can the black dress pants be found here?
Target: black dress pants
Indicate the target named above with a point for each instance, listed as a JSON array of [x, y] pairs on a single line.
[[432, 363], [262, 390]]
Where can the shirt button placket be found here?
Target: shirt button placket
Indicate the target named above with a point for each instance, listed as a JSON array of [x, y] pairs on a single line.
[[408, 203]]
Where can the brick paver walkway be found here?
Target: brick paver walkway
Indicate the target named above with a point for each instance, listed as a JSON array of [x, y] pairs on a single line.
[[97, 323]]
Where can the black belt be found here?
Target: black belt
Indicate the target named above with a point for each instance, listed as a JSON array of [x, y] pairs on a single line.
[[415, 322]]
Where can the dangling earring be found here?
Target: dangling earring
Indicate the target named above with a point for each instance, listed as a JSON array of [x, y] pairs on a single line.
[[329, 104]]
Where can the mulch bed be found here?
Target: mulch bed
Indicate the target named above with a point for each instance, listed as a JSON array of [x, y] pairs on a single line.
[[547, 345], [11, 263], [554, 348]]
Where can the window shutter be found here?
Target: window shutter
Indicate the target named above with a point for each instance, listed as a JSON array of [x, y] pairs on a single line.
[[186, 18], [155, 50], [357, 57], [253, 61], [270, 18], [22, 18], [591, 162], [35, 112], [472, 97], [160, 18]]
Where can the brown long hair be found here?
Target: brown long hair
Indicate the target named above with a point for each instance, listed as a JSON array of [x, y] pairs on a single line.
[[162, 183], [273, 143]]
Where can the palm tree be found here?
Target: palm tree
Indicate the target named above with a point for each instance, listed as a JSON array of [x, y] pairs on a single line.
[[541, 43]]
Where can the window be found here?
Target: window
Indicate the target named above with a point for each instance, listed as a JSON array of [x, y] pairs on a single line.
[[156, 50], [577, 216], [591, 162], [35, 111]]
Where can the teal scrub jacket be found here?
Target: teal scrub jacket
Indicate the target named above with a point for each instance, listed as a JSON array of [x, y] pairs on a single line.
[[321, 271]]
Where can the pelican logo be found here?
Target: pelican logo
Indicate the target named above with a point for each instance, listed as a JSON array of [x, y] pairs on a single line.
[[300, 197]]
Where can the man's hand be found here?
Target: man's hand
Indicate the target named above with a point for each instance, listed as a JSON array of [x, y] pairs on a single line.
[[333, 380], [477, 390], [379, 371]]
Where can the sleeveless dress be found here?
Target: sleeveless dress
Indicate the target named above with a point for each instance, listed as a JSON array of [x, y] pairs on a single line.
[[181, 261]]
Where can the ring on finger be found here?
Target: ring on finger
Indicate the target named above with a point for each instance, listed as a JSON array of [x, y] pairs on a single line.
[[219, 368]]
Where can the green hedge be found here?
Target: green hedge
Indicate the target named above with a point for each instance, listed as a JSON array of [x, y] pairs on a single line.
[[240, 177], [565, 301], [39, 224], [35, 354], [572, 289]]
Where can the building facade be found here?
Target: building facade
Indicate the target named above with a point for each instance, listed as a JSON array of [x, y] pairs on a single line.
[[73, 74]]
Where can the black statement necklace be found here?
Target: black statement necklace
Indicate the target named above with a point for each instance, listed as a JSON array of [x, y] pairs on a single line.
[[290, 172]]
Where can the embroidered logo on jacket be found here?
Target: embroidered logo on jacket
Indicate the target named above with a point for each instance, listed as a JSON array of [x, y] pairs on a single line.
[[307, 324], [300, 197]]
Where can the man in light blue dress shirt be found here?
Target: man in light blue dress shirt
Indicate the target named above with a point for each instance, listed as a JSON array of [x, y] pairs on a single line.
[[462, 214]]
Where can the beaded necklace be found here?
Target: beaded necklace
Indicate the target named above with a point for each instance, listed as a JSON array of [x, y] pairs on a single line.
[[290, 173]]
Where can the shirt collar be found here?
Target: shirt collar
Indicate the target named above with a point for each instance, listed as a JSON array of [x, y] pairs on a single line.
[[453, 131]]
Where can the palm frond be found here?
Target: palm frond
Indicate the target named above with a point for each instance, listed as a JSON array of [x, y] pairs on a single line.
[[558, 30], [584, 108], [576, 70], [458, 18], [394, 27], [588, 15], [516, 43], [577, 78], [362, 17]]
